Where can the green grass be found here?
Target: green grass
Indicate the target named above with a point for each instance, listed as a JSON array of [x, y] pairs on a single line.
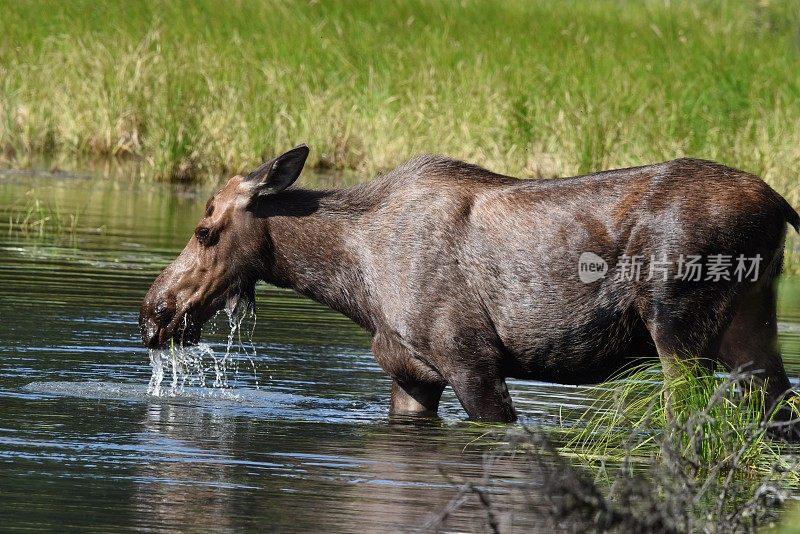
[[709, 421], [791, 261], [196, 88], [789, 524]]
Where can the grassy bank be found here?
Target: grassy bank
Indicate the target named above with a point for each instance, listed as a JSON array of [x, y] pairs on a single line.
[[528, 88]]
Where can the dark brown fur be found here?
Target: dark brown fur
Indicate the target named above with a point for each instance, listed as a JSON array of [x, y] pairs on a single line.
[[465, 277]]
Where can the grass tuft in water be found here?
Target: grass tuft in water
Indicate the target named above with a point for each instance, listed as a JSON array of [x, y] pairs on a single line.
[[715, 421], [38, 218], [635, 462]]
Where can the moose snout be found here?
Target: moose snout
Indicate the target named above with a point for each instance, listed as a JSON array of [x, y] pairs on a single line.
[[155, 316], [152, 323], [150, 331]]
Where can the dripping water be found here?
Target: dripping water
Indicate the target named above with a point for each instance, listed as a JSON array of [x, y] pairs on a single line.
[[193, 366]]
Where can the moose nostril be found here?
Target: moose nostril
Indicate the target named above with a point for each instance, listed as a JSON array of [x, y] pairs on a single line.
[[163, 314]]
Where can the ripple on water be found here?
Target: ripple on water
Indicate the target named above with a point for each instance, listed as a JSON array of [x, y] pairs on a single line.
[[259, 403]]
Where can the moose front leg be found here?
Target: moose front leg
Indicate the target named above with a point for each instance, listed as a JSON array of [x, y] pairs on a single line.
[[415, 397], [474, 355], [416, 387]]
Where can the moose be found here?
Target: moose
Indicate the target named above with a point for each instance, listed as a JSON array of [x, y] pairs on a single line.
[[464, 277]]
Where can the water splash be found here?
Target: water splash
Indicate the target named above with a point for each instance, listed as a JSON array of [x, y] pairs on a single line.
[[190, 366], [184, 365]]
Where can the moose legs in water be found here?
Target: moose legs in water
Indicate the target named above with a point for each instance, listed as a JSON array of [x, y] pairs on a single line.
[[415, 397], [417, 387], [751, 343], [484, 396]]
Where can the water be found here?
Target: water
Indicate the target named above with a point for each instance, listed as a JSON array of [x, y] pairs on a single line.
[[299, 440]]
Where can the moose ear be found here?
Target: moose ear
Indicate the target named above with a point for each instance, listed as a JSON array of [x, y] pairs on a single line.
[[278, 174]]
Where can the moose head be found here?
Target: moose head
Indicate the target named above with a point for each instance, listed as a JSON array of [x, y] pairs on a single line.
[[224, 258]]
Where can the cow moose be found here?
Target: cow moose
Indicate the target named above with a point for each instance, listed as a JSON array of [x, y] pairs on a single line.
[[464, 277]]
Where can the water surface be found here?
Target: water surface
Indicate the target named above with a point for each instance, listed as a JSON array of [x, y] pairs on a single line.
[[300, 442]]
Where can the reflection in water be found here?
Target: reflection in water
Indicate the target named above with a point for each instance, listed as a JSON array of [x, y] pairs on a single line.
[[394, 477], [183, 491], [310, 449]]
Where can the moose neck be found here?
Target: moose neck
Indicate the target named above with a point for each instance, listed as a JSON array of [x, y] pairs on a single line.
[[310, 233]]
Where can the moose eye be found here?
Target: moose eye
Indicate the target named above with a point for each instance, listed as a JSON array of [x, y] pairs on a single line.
[[202, 235]]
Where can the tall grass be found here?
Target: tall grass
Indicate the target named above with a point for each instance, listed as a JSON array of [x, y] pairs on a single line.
[[715, 421], [531, 88], [791, 260]]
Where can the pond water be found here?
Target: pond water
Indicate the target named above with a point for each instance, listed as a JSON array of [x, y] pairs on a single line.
[[300, 441]]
